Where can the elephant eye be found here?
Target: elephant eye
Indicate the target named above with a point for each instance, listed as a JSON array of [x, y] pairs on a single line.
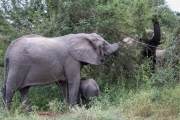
[[104, 43], [102, 49], [104, 46]]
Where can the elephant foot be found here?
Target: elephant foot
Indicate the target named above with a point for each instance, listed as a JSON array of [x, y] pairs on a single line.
[[26, 109]]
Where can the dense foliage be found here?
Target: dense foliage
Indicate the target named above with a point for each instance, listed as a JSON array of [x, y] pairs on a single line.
[[113, 20]]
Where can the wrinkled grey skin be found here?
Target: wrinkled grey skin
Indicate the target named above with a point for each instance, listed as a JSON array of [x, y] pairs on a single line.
[[34, 60], [88, 90]]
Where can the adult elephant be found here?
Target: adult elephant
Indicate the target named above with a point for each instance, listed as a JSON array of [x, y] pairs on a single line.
[[170, 55], [34, 60], [151, 41]]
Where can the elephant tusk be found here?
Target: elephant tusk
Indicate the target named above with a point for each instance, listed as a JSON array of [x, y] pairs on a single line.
[[162, 41], [151, 37]]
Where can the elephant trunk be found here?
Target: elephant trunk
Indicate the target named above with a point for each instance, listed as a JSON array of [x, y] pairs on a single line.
[[157, 33], [111, 48], [161, 42]]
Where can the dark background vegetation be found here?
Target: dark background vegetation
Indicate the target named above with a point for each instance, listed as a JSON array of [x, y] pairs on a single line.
[[114, 20]]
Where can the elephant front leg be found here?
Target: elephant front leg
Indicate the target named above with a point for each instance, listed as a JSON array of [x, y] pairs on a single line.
[[9, 95], [72, 72], [73, 90], [70, 91]]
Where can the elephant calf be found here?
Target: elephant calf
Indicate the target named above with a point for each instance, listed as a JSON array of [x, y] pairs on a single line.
[[88, 90]]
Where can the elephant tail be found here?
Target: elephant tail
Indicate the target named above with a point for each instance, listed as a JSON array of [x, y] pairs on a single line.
[[3, 90]]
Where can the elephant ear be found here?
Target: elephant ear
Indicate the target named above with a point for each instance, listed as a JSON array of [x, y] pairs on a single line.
[[82, 49], [150, 34]]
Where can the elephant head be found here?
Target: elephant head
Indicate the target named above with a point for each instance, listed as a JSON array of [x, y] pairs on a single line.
[[130, 42], [88, 90], [153, 37], [90, 48]]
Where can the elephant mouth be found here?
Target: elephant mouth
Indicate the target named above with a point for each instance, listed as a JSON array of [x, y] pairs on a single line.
[[84, 63], [102, 60]]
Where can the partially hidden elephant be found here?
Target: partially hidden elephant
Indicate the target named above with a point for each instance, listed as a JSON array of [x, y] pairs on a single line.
[[160, 53], [165, 56], [151, 41], [34, 60], [160, 58], [88, 90]]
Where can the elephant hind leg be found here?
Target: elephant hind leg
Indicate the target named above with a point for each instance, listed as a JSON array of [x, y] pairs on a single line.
[[24, 98], [9, 96], [16, 76], [3, 91]]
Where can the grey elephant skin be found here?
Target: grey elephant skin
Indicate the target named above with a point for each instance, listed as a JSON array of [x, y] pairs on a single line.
[[34, 60], [160, 57], [89, 89]]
